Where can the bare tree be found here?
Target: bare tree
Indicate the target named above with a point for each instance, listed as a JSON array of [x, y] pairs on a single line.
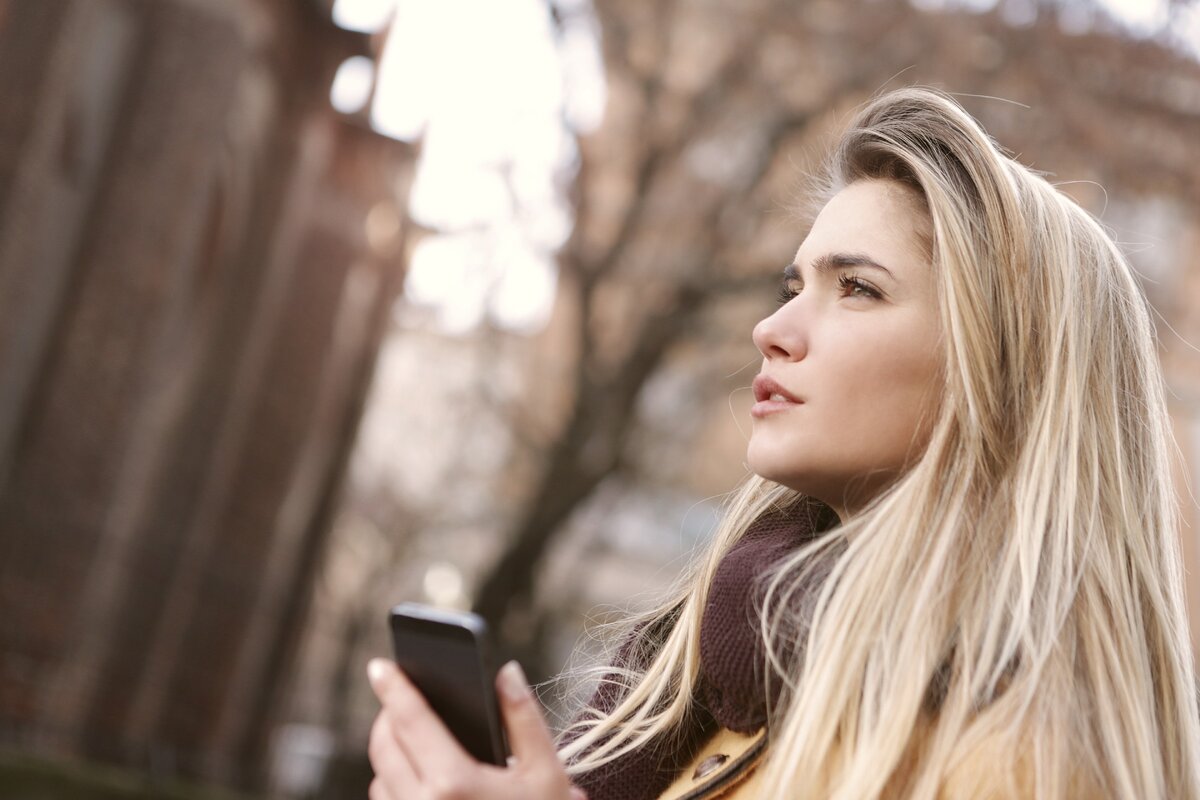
[[770, 72]]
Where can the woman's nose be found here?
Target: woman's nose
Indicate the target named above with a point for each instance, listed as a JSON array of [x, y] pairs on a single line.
[[781, 336]]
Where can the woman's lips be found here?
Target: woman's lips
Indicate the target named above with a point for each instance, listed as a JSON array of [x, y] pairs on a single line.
[[770, 397]]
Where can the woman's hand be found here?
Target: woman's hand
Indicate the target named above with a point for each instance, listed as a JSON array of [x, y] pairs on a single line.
[[416, 758]]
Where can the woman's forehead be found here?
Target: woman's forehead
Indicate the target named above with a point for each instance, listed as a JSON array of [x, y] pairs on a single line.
[[882, 220]]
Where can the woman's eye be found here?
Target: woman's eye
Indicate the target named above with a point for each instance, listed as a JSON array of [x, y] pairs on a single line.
[[848, 286], [854, 286], [789, 288]]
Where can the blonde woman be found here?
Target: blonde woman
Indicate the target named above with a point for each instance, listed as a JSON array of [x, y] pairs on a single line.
[[956, 573]]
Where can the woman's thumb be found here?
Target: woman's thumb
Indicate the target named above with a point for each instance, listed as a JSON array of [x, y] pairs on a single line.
[[527, 733]]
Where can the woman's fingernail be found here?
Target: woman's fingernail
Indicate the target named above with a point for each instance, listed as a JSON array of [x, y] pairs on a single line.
[[512, 682], [376, 670]]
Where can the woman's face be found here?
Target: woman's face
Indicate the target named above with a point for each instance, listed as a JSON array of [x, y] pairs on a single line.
[[851, 371]]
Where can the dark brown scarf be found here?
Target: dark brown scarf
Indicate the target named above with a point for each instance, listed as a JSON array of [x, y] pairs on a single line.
[[731, 690]]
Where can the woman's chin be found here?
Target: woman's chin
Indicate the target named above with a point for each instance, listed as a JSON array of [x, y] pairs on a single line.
[[773, 465], [772, 472], [768, 460]]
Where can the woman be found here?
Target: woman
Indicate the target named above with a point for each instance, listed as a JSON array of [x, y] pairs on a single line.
[[957, 570]]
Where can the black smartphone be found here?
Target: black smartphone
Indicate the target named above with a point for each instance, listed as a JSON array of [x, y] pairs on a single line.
[[446, 654]]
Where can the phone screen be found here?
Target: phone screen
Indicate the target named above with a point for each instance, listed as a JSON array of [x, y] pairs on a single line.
[[445, 655]]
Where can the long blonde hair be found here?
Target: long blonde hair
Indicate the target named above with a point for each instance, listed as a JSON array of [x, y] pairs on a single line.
[[1026, 570]]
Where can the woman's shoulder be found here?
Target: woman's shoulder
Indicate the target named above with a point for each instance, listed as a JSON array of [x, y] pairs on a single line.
[[995, 768], [728, 765]]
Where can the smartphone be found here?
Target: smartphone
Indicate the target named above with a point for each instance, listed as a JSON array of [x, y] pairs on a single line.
[[446, 654]]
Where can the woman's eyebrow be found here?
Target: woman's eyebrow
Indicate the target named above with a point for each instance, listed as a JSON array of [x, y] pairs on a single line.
[[830, 262]]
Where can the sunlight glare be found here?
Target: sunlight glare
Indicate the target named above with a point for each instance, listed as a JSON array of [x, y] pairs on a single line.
[[491, 103], [364, 16], [351, 88]]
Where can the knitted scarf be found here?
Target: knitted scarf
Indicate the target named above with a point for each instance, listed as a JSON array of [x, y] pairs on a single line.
[[731, 689]]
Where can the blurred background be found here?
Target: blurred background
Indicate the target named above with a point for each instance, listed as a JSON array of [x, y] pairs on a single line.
[[311, 307]]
